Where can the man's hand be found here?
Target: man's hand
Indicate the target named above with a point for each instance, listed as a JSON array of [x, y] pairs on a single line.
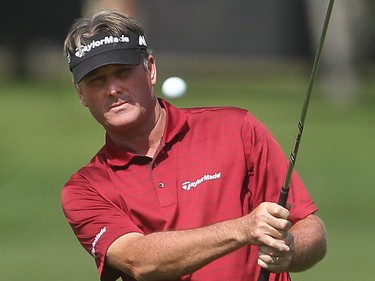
[[274, 260], [268, 226], [306, 243]]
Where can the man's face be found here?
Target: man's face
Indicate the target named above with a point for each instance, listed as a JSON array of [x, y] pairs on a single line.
[[120, 96]]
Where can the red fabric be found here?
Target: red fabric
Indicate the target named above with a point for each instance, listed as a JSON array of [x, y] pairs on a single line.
[[213, 164]]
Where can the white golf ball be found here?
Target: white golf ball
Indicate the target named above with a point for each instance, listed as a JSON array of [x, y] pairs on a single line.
[[174, 87]]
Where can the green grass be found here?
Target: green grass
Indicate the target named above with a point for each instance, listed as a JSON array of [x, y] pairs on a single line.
[[47, 135]]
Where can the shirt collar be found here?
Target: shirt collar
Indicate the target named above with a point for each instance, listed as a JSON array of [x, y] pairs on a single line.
[[176, 124]]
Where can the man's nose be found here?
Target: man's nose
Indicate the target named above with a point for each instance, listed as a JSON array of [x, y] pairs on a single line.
[[114, 85]]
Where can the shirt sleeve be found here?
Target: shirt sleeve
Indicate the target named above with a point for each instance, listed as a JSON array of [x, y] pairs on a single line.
[[96, 222], [267, 167]]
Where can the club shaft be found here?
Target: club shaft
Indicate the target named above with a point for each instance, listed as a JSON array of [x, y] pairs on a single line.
[[283, 197], [301, 123]]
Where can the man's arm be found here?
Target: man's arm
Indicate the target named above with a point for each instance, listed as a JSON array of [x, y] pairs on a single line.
[[172, 254], [310, 243], [307, 242]]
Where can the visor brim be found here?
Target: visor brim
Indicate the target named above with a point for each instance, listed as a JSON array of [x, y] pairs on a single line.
[[116, 56]]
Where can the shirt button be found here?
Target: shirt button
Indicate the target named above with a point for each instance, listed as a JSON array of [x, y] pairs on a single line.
[[161, 185], [154, 165]]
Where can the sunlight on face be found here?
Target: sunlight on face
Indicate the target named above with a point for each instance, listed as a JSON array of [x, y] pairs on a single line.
[[120, 96]]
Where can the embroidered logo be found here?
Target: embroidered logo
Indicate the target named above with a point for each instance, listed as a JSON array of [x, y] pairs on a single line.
[[187, 185], [97, 237], [97, 43]]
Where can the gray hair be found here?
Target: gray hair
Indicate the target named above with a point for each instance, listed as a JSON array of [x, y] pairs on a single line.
[[113, 22]]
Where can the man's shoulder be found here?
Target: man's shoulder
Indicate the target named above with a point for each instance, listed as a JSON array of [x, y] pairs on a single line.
[[216, 112]]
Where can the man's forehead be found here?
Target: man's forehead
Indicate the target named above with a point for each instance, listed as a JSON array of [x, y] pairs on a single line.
[[109, 68]]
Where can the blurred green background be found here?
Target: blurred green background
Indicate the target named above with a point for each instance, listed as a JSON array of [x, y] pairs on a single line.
[[46, 135]]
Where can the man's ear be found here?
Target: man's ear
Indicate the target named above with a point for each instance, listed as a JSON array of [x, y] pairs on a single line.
[[80, 95], [152, 69]]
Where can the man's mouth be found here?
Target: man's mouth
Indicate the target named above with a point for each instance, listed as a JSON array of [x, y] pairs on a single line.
[[119, 105]]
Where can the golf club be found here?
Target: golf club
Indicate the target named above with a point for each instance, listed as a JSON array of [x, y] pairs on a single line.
[[264, 273]]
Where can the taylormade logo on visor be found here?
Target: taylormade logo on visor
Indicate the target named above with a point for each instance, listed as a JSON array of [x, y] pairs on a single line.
[[80, 51], [105, 48]]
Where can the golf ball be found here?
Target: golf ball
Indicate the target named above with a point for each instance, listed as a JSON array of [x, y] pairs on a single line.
[[174, 87]]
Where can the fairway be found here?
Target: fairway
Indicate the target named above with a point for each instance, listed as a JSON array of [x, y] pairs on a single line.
[[47, 135]]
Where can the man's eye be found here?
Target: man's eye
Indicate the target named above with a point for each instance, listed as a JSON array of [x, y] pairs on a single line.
[[96, 79], [124, 71]]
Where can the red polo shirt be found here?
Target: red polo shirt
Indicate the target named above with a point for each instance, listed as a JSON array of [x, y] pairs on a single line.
[[213, 164]]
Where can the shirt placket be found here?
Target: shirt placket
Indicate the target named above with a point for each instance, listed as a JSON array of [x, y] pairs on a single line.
[[163, 177]]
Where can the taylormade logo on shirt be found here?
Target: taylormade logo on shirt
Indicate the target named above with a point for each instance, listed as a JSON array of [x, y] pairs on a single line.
[[187, 185], [97, 237]]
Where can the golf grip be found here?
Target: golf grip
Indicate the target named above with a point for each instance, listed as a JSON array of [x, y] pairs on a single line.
[[264, 273], [283, 196]]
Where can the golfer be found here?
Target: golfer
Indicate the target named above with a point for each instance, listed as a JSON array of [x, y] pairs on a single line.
[[177, 194]]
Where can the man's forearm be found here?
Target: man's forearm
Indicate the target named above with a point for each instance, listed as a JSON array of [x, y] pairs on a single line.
[[176, 253], [172, 254], [309, 243]]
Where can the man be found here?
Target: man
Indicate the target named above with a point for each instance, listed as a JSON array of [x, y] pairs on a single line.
[[177, 194]]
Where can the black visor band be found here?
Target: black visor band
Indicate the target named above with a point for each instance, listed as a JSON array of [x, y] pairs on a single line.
[[103, 49]]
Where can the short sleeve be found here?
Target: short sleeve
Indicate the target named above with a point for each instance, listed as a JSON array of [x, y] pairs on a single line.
[[267, 167], [95, 220]]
